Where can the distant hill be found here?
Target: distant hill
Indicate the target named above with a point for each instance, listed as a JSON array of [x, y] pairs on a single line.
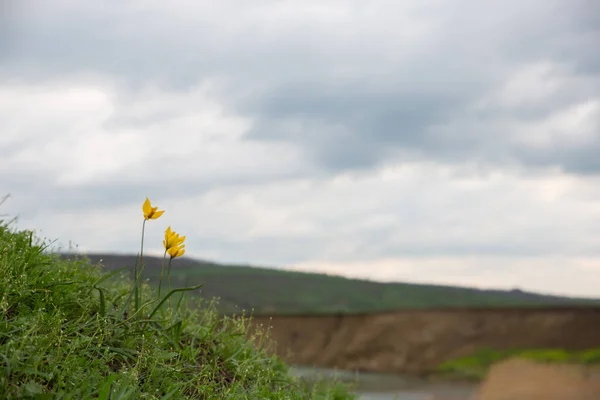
[[267, 290]]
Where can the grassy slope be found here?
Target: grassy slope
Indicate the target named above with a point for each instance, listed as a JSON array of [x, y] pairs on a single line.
[[268, 290], [59, 338]]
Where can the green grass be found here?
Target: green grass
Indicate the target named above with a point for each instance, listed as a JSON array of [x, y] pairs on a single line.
[[66, 331], [475, 366], [267, 290]]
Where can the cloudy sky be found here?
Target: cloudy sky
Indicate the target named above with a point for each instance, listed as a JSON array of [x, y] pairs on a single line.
[[444, 141]]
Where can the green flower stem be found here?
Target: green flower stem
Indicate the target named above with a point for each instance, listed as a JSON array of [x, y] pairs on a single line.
[[169, 279], [162, 269], [138, 279]]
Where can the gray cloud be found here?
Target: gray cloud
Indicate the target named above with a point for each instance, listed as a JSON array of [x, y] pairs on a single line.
[[369, 87], [402, 110], [353, 85]]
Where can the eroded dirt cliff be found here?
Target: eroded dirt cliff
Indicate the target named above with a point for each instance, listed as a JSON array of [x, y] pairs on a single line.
[[416, 341]]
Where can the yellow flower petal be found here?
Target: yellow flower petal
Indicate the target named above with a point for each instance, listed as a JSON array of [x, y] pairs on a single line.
[[156, 213], [147, 208], [176, 251], [172, 239]]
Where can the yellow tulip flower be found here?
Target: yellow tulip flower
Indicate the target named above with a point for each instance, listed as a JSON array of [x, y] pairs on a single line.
[[151, 212], [176, 251], [172, 239]]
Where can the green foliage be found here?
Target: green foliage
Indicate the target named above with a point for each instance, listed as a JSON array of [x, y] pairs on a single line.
[[475, 366], [270, 290], [66, 332]]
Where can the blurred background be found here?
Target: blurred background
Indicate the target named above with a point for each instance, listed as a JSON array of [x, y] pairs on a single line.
[[428, 154]]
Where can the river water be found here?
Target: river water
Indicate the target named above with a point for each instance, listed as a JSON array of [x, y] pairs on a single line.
[[372, 386]]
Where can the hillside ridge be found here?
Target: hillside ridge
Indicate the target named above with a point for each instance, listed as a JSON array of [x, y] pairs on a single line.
[[270, 290]]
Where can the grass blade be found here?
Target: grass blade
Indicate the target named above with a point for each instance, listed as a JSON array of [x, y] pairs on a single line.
[[102, 301], [104, 392], [172, 292]]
